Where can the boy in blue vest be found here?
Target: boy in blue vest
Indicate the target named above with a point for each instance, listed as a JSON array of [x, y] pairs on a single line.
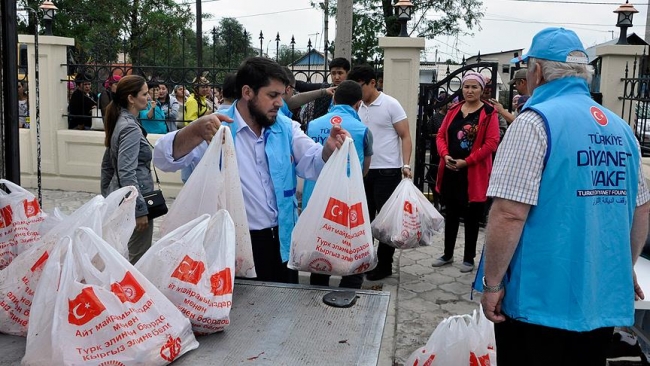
[[347, 100], [271, 150], [569, 218]]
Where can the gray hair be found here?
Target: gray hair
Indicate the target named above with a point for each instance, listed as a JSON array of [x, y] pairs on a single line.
[[552, 70]]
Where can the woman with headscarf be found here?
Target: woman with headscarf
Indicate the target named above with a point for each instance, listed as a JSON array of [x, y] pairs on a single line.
[[110, 85], [468, 137], [197, 104], [127, 159]]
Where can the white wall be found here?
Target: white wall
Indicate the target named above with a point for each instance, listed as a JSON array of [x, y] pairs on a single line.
[[70, 159]]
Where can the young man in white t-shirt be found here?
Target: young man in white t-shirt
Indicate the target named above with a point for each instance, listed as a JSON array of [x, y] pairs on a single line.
[[389, 125]]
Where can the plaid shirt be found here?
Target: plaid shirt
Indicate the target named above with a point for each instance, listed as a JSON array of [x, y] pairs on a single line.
[[519, 162]]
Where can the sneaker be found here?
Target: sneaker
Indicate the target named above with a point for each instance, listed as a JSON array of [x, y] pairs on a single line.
[[466, 267], [378, 274], [624, 347], [442, 262]]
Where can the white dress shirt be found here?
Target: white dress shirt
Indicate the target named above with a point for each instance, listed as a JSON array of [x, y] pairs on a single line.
[[257, 187]]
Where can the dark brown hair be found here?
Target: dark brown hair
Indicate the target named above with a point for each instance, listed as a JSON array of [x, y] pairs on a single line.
[[128, 85]]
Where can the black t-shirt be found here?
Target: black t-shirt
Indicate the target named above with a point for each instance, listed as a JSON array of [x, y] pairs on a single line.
[[461, 134]]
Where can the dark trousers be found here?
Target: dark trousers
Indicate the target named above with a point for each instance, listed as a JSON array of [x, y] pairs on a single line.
[[266, 255], [379, 185], [472, 213], [352, 281], [520, 343]]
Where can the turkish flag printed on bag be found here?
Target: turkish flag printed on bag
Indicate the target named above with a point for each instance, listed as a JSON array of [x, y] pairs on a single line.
[[189, 270], [85, 307], [336, 211]]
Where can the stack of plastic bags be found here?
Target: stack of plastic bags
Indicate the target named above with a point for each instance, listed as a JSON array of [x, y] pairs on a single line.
[[460, 340], [78, 300]]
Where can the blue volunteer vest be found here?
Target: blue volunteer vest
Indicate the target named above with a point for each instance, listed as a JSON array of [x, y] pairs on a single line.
[[279, 153], [572, 268], [285, 109], [319, 131]]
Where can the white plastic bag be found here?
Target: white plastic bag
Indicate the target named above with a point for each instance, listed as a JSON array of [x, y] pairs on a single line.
[[118, 220], [460, 340], [51, 220], [407, 219], [214, 185], [194, 266], [20, 217], [104, 311], [19, 280], [333, 236]]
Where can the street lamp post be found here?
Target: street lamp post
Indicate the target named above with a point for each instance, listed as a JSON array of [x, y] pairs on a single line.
[[404, 9], [277, 47], [49, 11], [261, 40], [624, 21], [293, 49]]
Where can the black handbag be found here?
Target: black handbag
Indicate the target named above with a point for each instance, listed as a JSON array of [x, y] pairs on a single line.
[[155, 203]]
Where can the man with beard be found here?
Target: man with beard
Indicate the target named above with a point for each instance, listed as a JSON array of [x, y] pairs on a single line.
[[271, 150]]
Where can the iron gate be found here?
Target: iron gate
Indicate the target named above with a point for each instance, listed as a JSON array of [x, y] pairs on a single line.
[[636, 100]]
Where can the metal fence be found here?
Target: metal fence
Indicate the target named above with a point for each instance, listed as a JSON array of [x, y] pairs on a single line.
[[165, 69], [636, 99]]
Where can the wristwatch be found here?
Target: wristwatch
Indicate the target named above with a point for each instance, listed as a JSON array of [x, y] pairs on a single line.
[[492, 289], [406, 166]]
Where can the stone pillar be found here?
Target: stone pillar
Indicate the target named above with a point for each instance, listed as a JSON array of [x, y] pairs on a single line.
[[402, 76], [52, 52], [613, 61]]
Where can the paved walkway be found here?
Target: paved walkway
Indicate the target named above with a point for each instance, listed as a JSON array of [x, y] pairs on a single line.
[[421, 296]]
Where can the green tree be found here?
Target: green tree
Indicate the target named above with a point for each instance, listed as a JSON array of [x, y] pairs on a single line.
[[287, 57], [100, 27], [232, 44], [376, 18]]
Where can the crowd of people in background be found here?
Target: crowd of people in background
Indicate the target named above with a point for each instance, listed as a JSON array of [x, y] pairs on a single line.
[[464, 131]]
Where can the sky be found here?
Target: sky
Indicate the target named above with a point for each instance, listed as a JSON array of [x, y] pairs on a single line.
[[506, 25]]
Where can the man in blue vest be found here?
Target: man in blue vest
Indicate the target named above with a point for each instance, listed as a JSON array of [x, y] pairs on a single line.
[[270, 149], [569, 218], [347, 100]]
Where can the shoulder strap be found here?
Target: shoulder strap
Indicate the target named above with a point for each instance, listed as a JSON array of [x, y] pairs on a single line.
[[144, 134]]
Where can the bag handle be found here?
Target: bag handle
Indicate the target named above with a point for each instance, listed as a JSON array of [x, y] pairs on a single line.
[[13, 187], [144, 134], [338, 161]]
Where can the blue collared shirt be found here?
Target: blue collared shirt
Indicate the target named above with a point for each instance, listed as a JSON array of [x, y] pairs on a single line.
[[257, 187]]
